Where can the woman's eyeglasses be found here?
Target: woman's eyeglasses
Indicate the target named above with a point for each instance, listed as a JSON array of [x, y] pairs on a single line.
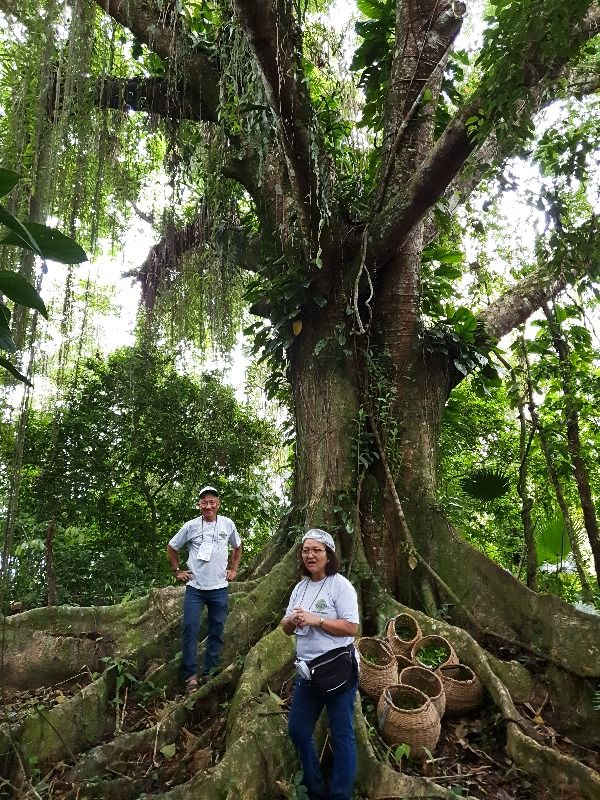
[[313, 550]]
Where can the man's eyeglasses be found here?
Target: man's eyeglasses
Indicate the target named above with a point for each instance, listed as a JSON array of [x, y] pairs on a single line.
[[313, 550]]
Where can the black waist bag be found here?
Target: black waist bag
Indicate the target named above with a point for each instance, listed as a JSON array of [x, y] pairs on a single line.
[[334, 671]]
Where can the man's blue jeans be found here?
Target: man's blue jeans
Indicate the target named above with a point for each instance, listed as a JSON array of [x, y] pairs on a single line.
[[194, 601], [304, 713]]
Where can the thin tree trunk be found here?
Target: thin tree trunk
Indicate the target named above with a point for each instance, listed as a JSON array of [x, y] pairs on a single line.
[[586, 591], [526, 501], [148, 496], [580, 469], [50, 576]]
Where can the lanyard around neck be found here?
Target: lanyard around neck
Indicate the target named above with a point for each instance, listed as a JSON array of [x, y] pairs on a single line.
[[214, 535], [308, 582]]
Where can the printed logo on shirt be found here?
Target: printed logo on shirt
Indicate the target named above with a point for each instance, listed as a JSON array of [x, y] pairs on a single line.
[[321, 604], [223, 535]]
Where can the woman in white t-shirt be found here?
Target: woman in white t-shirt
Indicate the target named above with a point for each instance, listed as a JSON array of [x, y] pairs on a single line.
[[323, 615]]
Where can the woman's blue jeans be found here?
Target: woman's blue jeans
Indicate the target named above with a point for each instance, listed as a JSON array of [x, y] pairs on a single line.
[[304, 713], [194, 601]]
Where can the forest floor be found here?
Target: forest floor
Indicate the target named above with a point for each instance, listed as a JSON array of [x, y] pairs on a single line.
[[16, 705], [470, 759]]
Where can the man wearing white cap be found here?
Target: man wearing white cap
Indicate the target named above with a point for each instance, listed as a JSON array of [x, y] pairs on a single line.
[[208, 539]]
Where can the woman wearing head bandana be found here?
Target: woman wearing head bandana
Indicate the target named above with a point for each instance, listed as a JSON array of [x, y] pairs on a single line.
[[323, 616]]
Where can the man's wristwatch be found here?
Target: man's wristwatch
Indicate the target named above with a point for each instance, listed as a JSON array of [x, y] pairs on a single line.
[[175, 570], [321, 621]]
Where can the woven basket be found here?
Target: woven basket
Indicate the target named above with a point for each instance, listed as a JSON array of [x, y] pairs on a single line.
[[419, 727], [373, 678], [402, 632], [463, 688], [433, 641], [425, 681], [403, 662]]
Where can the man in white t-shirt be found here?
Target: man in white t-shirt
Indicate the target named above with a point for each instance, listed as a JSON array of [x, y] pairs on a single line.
[[208, 539]]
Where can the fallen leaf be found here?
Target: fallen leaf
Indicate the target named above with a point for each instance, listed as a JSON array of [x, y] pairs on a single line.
[[460, 731], [168, 750], [202, 759], [191, 741], [297, 326]]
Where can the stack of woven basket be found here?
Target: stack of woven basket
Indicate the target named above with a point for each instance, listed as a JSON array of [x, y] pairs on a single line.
[[415, 680]]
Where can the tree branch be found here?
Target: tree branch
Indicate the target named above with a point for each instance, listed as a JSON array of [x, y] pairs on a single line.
[[448, 157], [425, 31], [161, 264], [153, 96], [579, 84], [200, 73], [276, 43], [519, 302]]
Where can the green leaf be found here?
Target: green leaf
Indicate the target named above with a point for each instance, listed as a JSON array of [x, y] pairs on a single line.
[[561, 313], [551, 541], [462, 56], [6, 340], [21, 291], [14, 371], [276, 697], [20, 235], [48, 243], [168, 750], [8, 180], [402, 751], [486, 484], [447, 271], [370, 9]]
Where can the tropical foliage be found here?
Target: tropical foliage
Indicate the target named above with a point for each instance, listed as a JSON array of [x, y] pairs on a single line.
[[113, 472]]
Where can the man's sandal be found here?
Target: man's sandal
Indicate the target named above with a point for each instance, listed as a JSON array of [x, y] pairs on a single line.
[[191, 684]]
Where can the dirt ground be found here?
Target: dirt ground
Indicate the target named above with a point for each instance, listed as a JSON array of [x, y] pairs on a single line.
[[470, 758]]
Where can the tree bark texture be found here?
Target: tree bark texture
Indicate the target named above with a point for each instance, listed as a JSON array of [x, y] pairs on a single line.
[[50, 576], [526, 500]]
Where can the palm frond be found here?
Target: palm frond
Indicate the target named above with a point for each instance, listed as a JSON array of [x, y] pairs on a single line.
[[551, 540], [486, 484]]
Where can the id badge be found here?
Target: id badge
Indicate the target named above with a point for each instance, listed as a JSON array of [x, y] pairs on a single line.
[[205, 551], [302, 631]]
